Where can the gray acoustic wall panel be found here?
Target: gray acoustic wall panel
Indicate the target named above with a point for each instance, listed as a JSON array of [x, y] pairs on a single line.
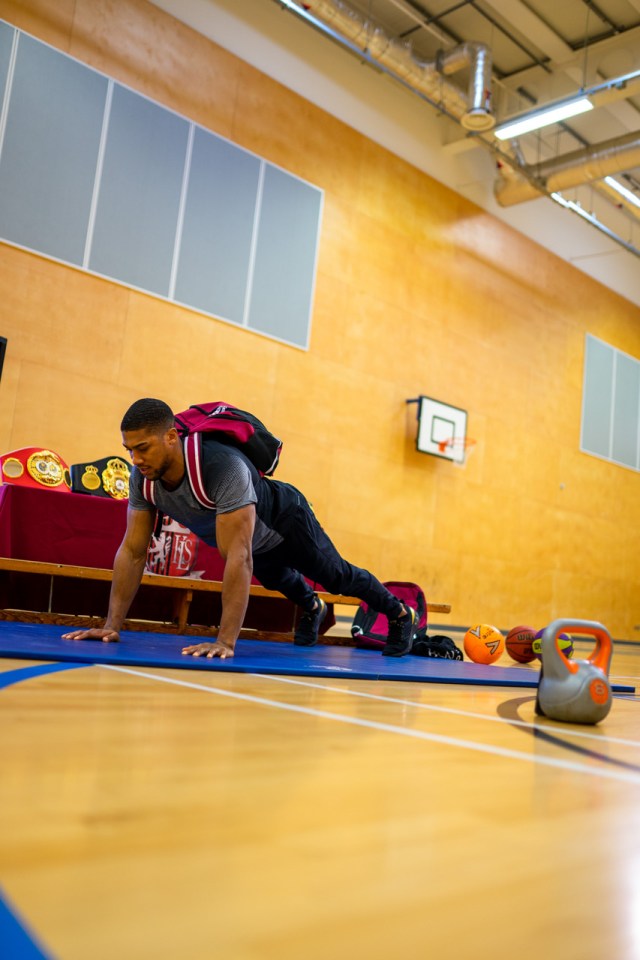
[[50, 150], [611, 404], [137, 212], [285, 260], [597, 397], [626, 406], [220, 210], [6, 40], [98, 176]]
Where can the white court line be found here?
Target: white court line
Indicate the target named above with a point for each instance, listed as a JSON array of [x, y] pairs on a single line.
[[459, 713], [388, 727]]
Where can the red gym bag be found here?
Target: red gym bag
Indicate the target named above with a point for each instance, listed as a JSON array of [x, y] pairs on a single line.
[[370, 628]]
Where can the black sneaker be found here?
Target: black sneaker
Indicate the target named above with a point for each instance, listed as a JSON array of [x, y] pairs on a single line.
[[306, 634], [400, 636]]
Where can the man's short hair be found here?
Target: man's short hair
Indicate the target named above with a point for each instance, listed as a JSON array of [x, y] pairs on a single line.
[[148, 414]]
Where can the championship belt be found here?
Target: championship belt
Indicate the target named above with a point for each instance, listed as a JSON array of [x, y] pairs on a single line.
[[35, 467], [108, 477]]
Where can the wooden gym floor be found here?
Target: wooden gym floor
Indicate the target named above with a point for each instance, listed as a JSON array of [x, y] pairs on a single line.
[[156, 814]]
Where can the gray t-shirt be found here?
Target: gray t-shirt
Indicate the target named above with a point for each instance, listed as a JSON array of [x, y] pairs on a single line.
[[231, 481]]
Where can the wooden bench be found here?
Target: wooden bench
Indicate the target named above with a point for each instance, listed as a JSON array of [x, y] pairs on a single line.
[[183, 590]]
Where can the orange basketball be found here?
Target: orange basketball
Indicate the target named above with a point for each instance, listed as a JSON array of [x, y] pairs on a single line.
[[483, 643], [519, 644]]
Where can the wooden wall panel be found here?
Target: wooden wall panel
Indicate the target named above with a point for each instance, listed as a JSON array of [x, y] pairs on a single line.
[[51, 22], [418, 291]]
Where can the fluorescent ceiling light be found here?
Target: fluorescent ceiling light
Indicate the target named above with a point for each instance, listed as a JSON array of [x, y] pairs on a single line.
[[572, 205], [542, 118], [627, 194]]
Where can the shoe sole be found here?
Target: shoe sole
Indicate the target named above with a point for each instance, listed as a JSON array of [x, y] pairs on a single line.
[[313, 643]]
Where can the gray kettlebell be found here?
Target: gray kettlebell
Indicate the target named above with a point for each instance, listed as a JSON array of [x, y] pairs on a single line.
[[577, 691]]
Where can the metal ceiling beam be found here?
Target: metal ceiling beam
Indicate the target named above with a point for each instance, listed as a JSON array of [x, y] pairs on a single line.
[[426, 23], [604, 17], [575, 58], [533, 28]]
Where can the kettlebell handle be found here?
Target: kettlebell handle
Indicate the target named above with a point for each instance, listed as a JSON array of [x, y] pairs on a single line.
[[601, 656]]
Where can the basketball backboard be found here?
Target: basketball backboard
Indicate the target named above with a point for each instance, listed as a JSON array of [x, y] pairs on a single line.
[[442, 430]]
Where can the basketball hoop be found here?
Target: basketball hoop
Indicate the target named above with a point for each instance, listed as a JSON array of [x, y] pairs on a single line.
[[456, 444]]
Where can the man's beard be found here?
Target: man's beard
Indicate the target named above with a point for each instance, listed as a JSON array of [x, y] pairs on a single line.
[[160, 471]]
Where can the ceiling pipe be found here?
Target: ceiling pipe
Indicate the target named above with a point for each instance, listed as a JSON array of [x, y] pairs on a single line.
[[427, 79], [477, 57], [472, 109], [570, 170]]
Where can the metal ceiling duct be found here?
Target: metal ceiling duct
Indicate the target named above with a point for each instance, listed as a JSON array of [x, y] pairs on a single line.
[[472, 109], [518, 182], [477, 57], [570, 170]]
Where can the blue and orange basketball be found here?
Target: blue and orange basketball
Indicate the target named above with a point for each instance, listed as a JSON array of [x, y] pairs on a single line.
[[565, 643], [519, 644], [483, 643]]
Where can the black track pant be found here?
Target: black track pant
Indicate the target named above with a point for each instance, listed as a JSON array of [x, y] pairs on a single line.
[[307, 551]]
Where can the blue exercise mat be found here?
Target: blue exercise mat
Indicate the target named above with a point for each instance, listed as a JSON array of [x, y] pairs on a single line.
[[29, 641]]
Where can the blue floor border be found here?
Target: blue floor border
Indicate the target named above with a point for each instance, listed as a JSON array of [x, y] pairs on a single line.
[[17, 942], [10, 677]]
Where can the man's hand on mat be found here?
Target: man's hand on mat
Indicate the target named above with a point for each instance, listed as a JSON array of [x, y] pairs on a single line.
[[215, 649], [96, 633]]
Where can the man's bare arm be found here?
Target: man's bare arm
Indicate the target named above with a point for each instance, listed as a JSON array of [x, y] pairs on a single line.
[[234, 533], [128, 568]]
